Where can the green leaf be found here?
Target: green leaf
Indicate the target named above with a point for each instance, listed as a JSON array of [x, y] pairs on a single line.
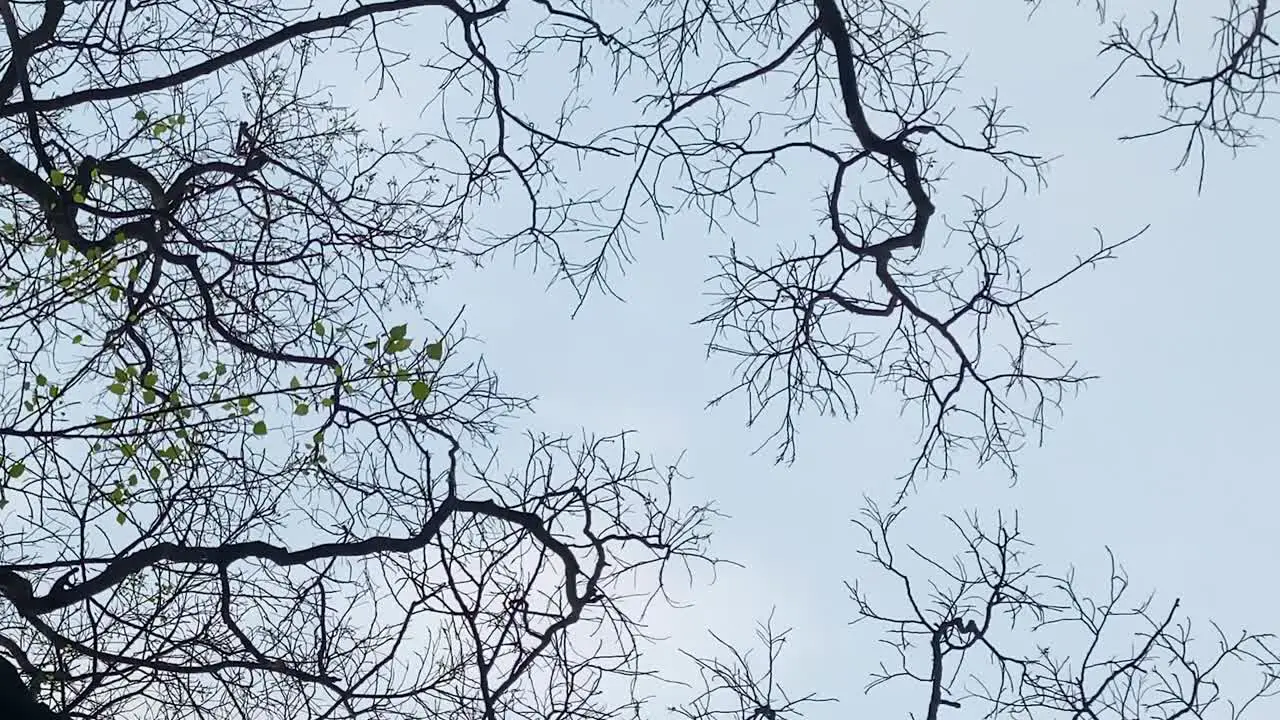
[[260, 428], [148, 396], [41, 380], [57, 177], [302, 409], [154, 472], [17, 469], [398, 345], [141, 116], [295, 383], [435, 350], [116, 388], [319, 328], [421, 390], [149, 380], [121, 518], [398, 332], [77, 339], [78, 196]]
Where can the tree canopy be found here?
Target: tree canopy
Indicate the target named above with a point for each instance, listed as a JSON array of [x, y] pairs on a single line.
[[247, 469]]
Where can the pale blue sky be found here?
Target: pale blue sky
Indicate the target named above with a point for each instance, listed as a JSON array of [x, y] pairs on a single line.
[[1163, 459]]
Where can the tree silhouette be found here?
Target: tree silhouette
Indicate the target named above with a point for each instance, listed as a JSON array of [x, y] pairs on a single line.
[[986, 632], [247, 471], [1220, 100], [17, 699]]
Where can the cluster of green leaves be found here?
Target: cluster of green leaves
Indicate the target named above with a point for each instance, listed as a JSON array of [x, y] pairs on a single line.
[[161, 125], [142, 400], [396, 342]]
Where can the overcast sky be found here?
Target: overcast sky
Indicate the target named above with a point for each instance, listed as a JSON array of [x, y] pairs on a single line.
[[1163, 460]]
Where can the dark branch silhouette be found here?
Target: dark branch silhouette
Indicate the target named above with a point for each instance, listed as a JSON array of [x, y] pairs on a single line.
[[17, 699], [1221, 100], [986, 633], [247, 471]]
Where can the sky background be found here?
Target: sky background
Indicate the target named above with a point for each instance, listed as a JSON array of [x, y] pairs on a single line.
[[1163, 459]]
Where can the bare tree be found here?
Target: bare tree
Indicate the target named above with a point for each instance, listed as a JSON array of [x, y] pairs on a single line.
[[244, 474], [854, 295], [1215, 99], [387, 593], [988, 634], [861, 293], [739, 687]]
